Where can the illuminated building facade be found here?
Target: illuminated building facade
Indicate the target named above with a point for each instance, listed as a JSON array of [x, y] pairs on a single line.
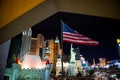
[[33, 46], [40, 41], [57, 50], [37, 45], [102, 62], [50, 48], [26, 43]]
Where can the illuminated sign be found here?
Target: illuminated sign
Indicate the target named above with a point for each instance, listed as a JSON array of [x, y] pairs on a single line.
[[118, 41]]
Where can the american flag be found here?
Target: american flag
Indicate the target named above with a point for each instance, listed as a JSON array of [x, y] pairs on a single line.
[[72, 36]]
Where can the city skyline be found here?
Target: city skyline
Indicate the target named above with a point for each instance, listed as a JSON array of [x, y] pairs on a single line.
[[103, 30]]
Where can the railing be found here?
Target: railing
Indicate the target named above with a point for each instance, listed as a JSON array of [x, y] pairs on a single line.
[[72, 78], [31, 74], [30, 79]]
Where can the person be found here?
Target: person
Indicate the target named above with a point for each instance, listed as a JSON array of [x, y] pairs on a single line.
[[73, 53]]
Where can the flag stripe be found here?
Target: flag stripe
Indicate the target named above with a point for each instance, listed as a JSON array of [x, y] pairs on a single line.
[[93, 44], [72, 36], [75, 37], [71, 40]]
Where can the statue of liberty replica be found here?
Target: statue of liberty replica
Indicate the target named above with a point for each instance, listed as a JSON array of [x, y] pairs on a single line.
[[72, 68], [73, 54]]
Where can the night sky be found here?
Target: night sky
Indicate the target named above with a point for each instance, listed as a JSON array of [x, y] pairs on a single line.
[[103, 30]]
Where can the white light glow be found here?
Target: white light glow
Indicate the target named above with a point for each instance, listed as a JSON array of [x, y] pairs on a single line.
[[32, 61]]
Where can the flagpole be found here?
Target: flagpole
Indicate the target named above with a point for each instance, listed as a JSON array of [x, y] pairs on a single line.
[[62, 47]]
